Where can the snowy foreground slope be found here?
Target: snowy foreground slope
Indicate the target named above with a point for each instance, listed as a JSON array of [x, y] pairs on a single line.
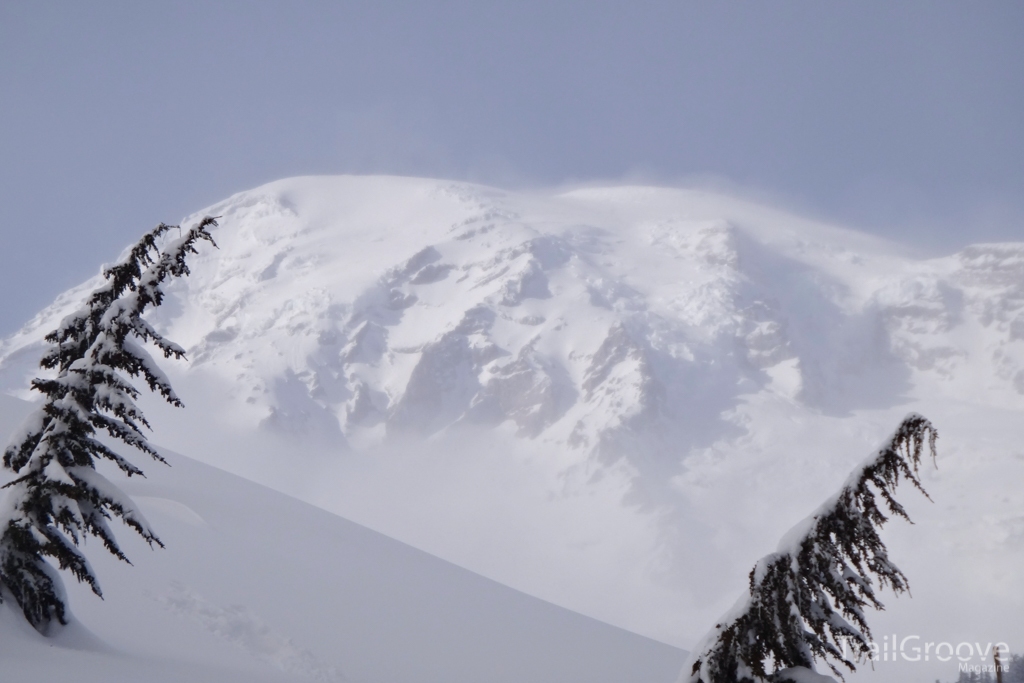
[[615, 399], [256, 586]]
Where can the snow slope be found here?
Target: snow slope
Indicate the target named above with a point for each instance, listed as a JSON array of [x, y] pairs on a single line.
[[614, 398], [255, 586]]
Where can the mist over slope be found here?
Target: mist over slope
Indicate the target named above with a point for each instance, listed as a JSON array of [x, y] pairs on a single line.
[[256, 586], [613, 398]]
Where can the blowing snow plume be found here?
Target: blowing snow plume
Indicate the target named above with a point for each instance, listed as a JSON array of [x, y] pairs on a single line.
[[658, 371]]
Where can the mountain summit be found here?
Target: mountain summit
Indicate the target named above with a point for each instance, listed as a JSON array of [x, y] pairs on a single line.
[[683, 360]]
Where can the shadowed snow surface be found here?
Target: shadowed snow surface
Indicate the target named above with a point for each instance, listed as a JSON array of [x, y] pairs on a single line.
[[256, 586]]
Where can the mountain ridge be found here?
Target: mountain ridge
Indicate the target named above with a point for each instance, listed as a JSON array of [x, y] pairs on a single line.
[[598, 374]]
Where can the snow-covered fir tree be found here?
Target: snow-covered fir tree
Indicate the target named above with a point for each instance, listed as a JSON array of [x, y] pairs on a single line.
[[807, 599], [58, 496]]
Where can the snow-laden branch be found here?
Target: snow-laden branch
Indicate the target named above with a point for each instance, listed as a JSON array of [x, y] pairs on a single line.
[[59, 497], [808, 597]]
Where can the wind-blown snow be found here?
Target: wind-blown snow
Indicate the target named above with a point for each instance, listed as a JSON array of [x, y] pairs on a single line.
[[615, 398]]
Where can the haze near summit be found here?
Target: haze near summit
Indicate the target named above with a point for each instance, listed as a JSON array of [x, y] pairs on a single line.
[[902, 119]]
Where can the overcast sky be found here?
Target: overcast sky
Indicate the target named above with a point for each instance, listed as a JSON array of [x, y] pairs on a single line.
[[903, 118]]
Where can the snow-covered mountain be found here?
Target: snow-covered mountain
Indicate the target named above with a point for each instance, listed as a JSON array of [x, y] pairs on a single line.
[[614, 398]]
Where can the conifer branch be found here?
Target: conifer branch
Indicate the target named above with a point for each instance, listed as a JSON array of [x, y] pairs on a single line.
[[59, 497], [809, 596]]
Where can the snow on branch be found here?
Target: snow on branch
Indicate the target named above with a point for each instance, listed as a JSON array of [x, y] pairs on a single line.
[[809, 596], [58, 497]]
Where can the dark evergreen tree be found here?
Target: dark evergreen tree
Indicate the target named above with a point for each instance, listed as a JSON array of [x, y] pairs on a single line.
[[59, 497], [809, 596], [1015, 669]]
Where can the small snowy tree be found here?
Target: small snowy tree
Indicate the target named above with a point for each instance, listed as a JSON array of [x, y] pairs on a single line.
[[809, 596], [59, 497]]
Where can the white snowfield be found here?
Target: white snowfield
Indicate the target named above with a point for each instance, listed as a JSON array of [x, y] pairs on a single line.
[[613, 398], [256, 586]]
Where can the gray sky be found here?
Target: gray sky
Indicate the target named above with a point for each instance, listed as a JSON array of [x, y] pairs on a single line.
[[901, 118]]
